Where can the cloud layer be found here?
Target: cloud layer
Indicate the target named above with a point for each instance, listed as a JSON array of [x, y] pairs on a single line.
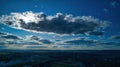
[[59, 23], [81, 41], [11, 41]]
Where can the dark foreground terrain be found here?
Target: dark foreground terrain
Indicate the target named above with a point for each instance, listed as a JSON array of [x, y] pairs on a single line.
[[33, 58]]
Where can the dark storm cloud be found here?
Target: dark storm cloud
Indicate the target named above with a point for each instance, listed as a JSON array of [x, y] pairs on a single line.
[[115, 37], [59, 23]]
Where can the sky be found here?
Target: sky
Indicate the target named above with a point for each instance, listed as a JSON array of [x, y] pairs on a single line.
[[60, 24]]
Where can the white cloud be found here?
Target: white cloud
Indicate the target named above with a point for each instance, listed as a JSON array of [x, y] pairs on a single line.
[[59, 23]]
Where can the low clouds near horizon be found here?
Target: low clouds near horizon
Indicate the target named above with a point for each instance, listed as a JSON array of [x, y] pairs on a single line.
[[11, 41]]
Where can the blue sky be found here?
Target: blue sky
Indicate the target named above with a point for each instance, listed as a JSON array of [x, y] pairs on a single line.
[[107, 10]]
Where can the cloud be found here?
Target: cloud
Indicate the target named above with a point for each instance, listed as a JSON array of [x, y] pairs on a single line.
[[2, 43], [12, 41], [36, 46], [46, 41], [3, 46], [91, 42], [97, 33], [115, 37], [38, 39], [35, 40], [29, 43], [110, 43], [59, 23], [3, 33], [9, 37], [32, 37], [81, 41]]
